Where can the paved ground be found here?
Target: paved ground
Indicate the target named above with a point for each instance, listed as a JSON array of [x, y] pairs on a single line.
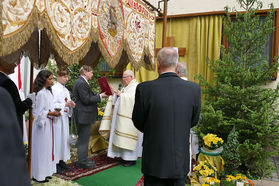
[[274, 181]]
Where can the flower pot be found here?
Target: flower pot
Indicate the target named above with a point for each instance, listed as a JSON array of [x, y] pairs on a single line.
[[239, 183], [214, 152], [201, 180]]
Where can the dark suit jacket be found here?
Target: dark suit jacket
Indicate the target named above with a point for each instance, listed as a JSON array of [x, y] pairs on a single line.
[[165, 109], [12, 154], [21, 106], [86, 101]]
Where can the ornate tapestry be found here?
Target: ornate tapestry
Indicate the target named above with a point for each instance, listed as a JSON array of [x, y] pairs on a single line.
[[122, 30]]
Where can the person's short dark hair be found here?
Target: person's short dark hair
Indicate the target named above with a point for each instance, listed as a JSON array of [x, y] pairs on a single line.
[[85, 68], [62, 72], [41, 80]]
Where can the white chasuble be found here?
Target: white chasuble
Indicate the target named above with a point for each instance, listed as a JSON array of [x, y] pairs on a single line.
[[42, 159], [125, 140], [61, 126], [125, 133]]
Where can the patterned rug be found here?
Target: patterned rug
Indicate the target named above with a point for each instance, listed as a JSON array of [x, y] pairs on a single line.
[[102, 163], [141, 181]]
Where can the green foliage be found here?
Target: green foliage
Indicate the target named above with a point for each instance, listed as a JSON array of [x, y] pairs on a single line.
[[231, 154], [237, 98]]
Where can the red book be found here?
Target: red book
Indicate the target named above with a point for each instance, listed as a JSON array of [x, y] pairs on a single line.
[[103, 83]]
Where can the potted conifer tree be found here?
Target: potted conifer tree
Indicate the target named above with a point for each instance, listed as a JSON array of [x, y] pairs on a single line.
[[238, 99]]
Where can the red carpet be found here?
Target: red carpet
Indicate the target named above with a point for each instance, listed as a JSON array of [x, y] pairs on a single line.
[[102, 163]]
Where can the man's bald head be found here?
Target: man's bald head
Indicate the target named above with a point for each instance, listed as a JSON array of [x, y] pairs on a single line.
[[168, 57]]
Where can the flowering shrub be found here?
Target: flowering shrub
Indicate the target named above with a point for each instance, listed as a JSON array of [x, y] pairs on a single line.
[[231, 180], [211, 141], [100, 114], [204, 169], [211, 181]]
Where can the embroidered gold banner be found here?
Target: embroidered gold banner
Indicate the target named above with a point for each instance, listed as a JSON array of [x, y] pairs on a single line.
[[122, 30]]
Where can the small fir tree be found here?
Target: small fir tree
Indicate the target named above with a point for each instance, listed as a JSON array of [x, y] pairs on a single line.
[[237, 98], [231, 154]]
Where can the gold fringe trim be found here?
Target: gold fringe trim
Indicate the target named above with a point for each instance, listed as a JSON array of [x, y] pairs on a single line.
[[111, 61], [135, 64], [125, 135], [69, 57], [15, 41], [146, 53]]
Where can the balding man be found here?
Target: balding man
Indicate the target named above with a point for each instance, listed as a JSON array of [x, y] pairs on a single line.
[[124, 140], [181, 70], [165, 109]]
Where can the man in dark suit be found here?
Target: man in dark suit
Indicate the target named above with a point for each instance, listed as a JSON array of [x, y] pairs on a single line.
[[5, 82], [165, 109], [85, 113], [12, 155]]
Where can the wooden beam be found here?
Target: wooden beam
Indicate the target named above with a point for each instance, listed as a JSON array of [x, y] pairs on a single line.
[[275, 39], [30, 122], [209, 13], [165, 23]]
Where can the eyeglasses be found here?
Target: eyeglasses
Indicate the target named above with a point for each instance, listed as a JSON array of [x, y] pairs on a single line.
[[124, 77]]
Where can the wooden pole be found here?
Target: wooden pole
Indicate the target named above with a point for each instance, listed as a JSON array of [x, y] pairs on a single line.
[[30, 123], [165, 23]]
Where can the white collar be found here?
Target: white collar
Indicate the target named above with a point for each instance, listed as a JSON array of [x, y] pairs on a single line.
[[85, 79], [59, 84]]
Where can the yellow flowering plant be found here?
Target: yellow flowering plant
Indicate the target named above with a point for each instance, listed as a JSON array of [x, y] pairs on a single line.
[[231, 180], [100, 114], [211, 141], [205, 169]]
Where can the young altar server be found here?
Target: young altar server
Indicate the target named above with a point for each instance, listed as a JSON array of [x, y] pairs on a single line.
[[42, 159], [63, 102]]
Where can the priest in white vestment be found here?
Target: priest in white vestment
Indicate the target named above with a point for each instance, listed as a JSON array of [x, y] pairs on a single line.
[[63, 102], [42, 156], [125, 140]]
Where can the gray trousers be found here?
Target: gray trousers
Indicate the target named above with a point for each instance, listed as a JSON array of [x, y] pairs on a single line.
[[83, 142]]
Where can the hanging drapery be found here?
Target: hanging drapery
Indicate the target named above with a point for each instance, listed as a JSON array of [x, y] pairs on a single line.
[[118, 30], [200, 35]]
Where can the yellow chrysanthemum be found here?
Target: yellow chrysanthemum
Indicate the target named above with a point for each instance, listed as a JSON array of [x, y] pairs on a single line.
[[216, 181], [228, 179]]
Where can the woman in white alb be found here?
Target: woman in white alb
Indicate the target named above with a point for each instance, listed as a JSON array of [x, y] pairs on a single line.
[[42, 159]]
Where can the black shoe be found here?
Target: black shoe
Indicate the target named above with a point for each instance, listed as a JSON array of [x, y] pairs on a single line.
[[59, 169], [91, 162], [48, 177], [86, 166], [64, 166], [44, 181], [129, 163]]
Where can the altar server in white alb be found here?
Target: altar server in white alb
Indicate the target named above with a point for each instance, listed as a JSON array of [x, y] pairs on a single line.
[[42, 156], [62, 102], [125, 140]]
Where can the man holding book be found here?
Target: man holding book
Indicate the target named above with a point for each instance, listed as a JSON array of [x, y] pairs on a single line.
[[85, 113]]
